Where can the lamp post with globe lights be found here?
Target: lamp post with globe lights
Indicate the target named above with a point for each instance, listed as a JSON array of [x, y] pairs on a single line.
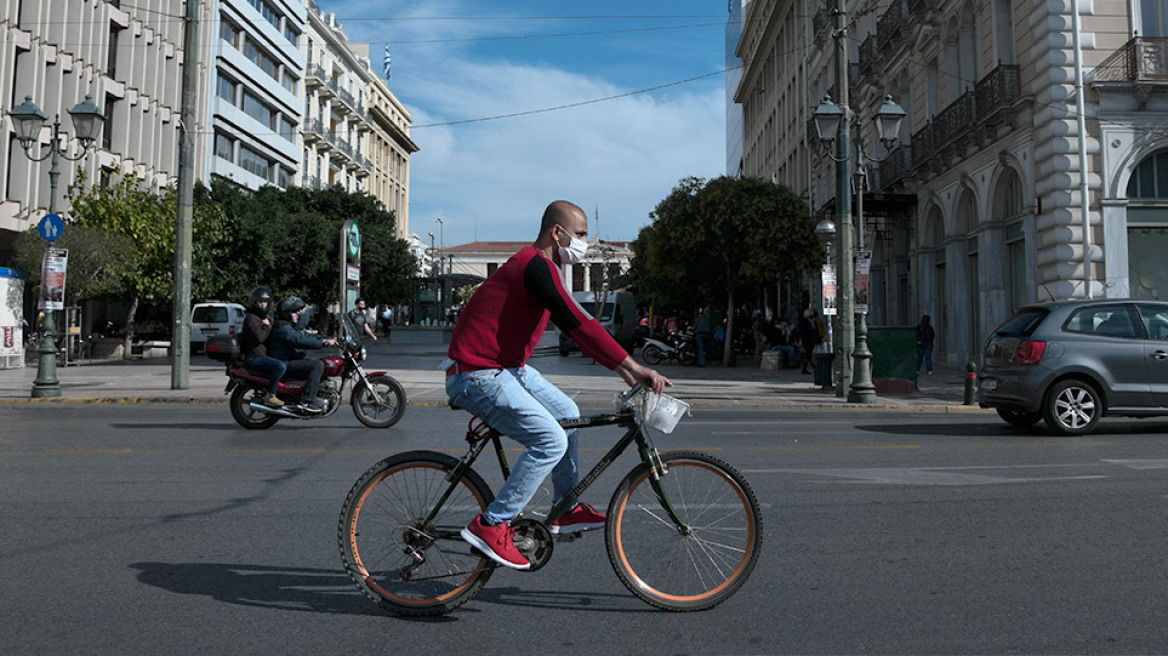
[[29, 121], [834, 123]]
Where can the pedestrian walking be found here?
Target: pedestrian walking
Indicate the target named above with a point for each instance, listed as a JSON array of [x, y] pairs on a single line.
[[810, 336], [361, 320], [926, 335]]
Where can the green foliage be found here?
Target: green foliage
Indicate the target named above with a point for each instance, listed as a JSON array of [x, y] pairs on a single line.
[[711, 238], [96, 260]]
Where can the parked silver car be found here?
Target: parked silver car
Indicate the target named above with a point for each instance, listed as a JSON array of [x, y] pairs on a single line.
[[1070, 363]]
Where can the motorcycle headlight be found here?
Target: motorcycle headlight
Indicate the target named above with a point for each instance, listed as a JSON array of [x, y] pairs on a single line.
[[363, 354]]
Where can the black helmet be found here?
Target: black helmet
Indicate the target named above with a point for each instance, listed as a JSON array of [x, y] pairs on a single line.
[[260, 295], [290, 305]]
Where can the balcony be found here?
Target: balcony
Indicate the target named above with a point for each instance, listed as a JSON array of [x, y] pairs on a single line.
[[1143, 61], [995, 94], [955, 121], [312, 130], [896, 167], [870, 56], [820, 23], [890, 27]]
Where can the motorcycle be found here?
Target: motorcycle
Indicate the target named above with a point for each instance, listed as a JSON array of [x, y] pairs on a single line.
[[378, 400], [681, 347]]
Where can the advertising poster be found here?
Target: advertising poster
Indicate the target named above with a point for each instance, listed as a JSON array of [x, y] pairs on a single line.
[[53, 279], [863, 267], [829, 290]]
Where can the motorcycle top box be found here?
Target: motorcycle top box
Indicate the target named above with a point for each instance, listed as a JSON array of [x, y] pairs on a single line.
[[223, 348]]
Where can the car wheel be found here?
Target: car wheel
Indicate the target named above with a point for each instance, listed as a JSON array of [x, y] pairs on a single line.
[[1072, 407], [1019, 418]]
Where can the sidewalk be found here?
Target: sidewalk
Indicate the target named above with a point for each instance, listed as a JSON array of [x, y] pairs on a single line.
[[416, 367]]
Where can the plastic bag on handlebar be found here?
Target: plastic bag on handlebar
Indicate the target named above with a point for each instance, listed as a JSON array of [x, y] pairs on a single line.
[[657, 411]]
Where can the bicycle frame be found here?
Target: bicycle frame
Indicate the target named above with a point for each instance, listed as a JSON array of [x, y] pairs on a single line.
[[648, 454]]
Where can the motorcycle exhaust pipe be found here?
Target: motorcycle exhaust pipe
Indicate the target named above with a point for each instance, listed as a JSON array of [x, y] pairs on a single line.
[[274, 411]]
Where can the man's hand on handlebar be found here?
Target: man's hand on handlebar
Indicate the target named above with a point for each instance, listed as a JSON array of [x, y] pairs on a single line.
[[634, 373]]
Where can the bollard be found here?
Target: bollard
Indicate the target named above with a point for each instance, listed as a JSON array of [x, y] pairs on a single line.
[[971, 383]]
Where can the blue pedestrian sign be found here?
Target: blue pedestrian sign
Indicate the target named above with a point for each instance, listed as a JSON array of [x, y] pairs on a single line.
[[51, 227]]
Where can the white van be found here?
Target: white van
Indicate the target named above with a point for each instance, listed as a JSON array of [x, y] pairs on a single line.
[[214, 318], [619, 318]]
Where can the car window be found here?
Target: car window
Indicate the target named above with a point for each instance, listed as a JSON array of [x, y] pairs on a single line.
[[1155, 321], [1105, 320], [210, 314], [1022, 324]]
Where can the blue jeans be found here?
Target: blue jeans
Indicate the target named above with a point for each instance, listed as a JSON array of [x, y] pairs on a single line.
[[703, 340], [520, 404], [925, 354], [788, 354], [270, 367]]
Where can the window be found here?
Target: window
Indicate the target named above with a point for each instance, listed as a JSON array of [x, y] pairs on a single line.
[[283, 178], [1108, 321], [289, 81], [111, 62], [229, 33], [261, 59], [107, 129], [257, 109], [1016, 264], [1154, 16], [288, 130], [292, 35], [1156, 321], [223, 147], [267, 11], [1151, 178], [225, 88], [254, 163]]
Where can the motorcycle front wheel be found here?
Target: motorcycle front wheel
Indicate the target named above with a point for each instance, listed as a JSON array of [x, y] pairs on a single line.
[[651, 354], [384, 414], [244, 414]]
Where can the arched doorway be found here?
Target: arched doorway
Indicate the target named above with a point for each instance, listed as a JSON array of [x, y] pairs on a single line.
[[1147, 227]]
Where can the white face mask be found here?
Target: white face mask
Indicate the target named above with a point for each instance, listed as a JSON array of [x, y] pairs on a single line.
[[574, 252]]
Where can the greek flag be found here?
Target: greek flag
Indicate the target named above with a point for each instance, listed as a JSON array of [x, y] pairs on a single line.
[[385, 62]]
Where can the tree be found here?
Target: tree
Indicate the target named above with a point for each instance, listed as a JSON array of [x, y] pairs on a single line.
[[96, 260], [722, 237]]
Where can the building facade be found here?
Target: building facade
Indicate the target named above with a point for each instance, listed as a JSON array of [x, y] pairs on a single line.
[[1032, 164], [128, 59], [253, 84]]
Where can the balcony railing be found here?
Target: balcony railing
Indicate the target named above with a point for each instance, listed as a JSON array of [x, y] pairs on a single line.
[[1143, 59], [869, 54], [956, 120], [891, 23], [996, 92], [895, 167], [921, 7]]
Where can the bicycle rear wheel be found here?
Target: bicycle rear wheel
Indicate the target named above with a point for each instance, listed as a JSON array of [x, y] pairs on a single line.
[[395, 558], [696, 567]]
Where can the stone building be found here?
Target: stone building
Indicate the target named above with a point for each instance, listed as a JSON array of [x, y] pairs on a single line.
[[1032, 164]]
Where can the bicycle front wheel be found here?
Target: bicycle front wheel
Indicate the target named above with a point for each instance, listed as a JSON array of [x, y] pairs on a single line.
[[694, 566], [399, 560]]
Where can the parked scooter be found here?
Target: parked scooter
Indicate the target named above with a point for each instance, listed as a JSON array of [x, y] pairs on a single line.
[[680, 347], [377, 399]]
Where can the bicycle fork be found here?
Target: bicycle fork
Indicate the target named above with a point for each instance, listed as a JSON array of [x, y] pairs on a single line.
[[657, 470]]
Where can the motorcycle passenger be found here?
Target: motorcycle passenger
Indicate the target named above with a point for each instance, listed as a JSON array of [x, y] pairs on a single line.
[[287, 344], [253, 343]]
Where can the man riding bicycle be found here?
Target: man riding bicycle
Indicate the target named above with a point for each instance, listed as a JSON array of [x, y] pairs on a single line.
[[487, 373]]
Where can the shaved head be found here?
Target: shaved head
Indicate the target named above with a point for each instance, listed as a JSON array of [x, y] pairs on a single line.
[[561, 213]]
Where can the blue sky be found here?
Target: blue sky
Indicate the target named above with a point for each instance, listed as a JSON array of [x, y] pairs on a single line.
[[457, 60]]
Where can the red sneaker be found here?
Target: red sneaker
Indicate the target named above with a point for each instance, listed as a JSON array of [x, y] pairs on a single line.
[[495, 542], [581, 518]]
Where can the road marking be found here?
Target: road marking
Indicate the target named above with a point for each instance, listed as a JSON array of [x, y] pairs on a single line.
[[835, 448], [1139, 464], [61, 451], [1029, 444], [916, 477]]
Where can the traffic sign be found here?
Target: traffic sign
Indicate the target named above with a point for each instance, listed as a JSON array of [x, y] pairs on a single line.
[[51, 227]]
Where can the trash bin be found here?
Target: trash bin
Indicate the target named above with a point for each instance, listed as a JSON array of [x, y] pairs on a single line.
[[822, 362]]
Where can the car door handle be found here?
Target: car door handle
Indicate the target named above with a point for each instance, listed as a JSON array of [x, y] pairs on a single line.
[[1160, 355]]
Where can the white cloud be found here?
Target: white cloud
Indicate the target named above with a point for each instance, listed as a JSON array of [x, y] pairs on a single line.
[[491, 180]]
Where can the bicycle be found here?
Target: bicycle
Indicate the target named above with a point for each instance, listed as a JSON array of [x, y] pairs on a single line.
[[684, 529]]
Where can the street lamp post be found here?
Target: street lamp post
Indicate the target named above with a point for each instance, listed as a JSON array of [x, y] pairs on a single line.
[[441, 249], [433, 276], [833, 122], [28, 119]]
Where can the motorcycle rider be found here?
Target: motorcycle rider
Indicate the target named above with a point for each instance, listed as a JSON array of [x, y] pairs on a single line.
[[253, 343], [287, 344]]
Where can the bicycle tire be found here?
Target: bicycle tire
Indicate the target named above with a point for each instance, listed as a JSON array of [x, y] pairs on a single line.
[[380, 526], [373, 415], [684, 572]]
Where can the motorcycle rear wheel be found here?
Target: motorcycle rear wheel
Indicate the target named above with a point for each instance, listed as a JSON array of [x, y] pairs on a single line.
[[390, 412], [243, 413], [652, 354]]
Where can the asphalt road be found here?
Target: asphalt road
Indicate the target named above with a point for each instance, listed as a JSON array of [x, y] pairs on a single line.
[[168, 529]]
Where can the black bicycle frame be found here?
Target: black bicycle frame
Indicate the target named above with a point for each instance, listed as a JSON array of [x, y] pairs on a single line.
[[647, 454]]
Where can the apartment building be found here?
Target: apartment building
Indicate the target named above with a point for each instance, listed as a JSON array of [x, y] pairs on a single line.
[[58, 52], [1032, 164], [250, 122]]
